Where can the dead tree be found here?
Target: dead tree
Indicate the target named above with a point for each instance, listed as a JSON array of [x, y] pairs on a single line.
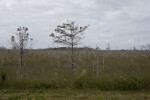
[[20, 43], [108, 47], [69, 34]]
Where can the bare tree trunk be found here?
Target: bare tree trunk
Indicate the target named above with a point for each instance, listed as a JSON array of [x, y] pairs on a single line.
[[97, 70], [103, 63], [21, 56], [72, 60]]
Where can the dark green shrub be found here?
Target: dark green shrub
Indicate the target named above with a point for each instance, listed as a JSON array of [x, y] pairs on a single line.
[[3, 76], [81, 82]]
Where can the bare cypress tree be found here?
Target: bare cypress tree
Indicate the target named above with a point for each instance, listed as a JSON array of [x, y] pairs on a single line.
[[108, 47], [69, 34], [21, 42]]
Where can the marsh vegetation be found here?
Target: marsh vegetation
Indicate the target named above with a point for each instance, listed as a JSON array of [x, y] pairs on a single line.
[[93, 69]]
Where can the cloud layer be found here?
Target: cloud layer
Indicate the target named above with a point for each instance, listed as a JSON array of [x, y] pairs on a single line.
[[121, 23]]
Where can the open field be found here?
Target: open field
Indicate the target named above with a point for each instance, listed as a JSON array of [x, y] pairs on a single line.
[[67, 94], [50, 69]]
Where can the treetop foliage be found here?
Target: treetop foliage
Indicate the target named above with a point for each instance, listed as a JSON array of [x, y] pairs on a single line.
[[68, 33]]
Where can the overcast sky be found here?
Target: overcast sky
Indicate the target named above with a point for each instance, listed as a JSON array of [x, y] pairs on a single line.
[[121, 23]]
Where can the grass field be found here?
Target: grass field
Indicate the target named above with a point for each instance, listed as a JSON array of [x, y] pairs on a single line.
[[51, 69], [67, 94]]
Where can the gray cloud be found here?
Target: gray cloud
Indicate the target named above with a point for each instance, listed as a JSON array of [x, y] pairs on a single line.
[[122, 23]]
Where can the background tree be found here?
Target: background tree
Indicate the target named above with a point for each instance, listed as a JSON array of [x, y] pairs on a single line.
[[108, 46], [21, 42], [69, 34]]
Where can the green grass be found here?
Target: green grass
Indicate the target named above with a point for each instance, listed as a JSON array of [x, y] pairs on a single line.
[[102, 70], [68, 94]]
